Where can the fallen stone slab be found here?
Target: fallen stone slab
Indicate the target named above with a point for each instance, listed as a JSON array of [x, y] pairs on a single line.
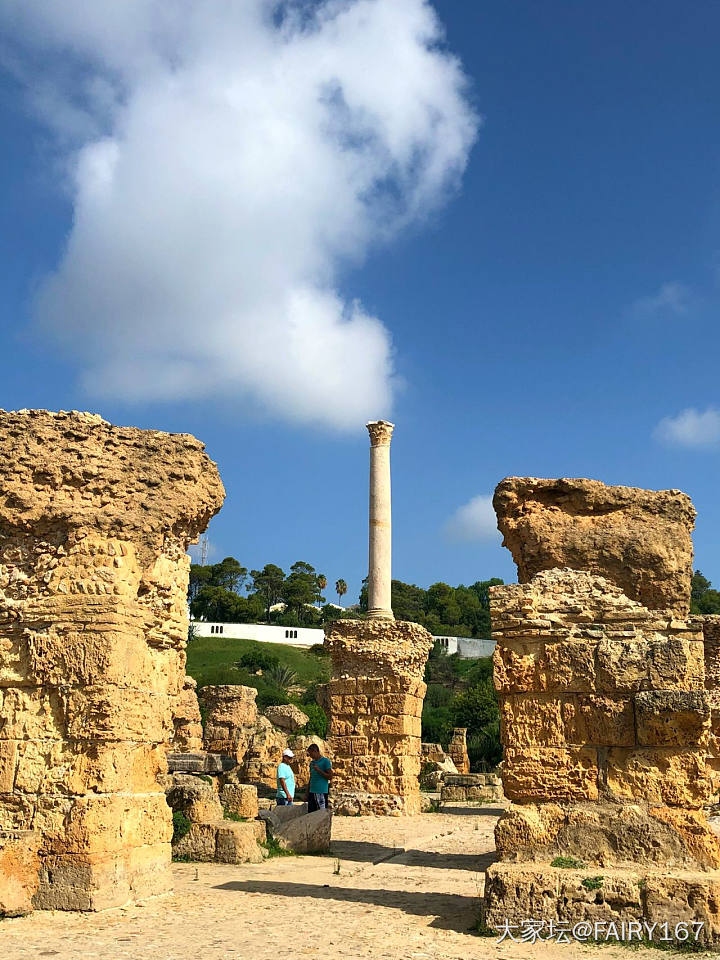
[[224, 841], [297, 830]]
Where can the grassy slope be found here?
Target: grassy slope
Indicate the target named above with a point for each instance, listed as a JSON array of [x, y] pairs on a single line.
[[211, 659]]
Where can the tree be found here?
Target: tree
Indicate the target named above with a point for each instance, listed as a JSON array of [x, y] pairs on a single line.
[[301, 590], [224, 606], [321, 581], [340, 589], [703, 599], [268, 585], [228, 574]]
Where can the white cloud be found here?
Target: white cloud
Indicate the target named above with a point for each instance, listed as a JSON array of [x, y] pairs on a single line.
[[672, 299], [690, 428], [475, 520], [228, 161]]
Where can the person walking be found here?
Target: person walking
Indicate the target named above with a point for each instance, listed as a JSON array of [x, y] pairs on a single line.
[[320, 776], [285, 781]]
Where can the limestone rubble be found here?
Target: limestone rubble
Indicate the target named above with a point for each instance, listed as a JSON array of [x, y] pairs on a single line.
[[95, 521]]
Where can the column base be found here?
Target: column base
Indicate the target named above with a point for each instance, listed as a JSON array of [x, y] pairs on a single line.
[[602, 902], [378, 613]]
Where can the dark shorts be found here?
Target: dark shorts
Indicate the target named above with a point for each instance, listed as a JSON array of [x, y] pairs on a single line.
[[283, 802], [317, 801]]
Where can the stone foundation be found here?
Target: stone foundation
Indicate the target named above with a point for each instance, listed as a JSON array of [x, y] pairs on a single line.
[[374, 702], [471, 788], [95, 521], [711, 636]]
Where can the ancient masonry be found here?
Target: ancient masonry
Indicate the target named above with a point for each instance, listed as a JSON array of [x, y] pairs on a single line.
[[457, 748], [711, 636], [95, 522], [375, 697], [605, 720]]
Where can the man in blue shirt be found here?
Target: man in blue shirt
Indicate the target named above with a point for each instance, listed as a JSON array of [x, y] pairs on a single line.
[[285, 781], [320, 776]]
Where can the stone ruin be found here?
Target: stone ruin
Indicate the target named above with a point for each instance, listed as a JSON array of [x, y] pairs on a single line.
[[95, 521], [457, 748], [711, 637], [374, 703], [375, 696], [605, 720]]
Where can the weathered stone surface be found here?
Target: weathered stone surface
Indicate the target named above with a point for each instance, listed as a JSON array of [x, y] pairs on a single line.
[[200, 762], [95, 521], [19, 868], [604, 717], [672, 718], [220, 841], [287, 717], [607, 834], [471, 788], [639, 539], [240, 799], [187, 722], [457, 748], [231, 717], [263, 754], [649, 899], [196, 798], [297, 830], [374, 701]]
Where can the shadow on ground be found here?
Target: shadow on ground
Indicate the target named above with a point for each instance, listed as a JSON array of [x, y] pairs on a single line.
[[451, 912], [359, 851]]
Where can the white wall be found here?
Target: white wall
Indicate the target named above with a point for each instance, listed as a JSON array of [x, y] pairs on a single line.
[[294, 636], [466, 647]]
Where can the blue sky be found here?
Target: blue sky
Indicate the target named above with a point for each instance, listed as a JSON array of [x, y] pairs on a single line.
[[551, 300]]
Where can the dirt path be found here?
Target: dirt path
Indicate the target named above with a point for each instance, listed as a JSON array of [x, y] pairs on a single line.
[[383, 904]]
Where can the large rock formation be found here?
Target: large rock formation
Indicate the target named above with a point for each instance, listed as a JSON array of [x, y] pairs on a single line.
[[605, 720], [374, 701], [95, 521], [639, 539]]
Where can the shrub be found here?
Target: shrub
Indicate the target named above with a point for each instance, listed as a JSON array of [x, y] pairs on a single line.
[[271, 697], [437, 725], [255, 660], [569, 863], [437, 695], [317, 721], [181, 825]]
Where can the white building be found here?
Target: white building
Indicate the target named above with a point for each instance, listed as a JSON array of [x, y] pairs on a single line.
[[466, 648]]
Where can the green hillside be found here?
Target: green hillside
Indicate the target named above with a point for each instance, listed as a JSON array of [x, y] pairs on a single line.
[[211, 660]]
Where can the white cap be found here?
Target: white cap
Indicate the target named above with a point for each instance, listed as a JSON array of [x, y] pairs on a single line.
[[288, 753]]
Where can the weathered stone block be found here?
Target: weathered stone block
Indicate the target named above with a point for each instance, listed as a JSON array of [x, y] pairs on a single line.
[[550, 773], [665, 776], [672, 717], [240, 799]]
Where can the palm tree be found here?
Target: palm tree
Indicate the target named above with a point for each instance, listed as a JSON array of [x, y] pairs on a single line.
[[322, 583], [340, 588]]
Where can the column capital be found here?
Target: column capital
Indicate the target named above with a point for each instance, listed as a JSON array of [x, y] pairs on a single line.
[[380, 432]]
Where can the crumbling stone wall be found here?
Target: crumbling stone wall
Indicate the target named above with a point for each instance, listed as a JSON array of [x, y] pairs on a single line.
[[95, 521], [187, 721], [605, 720], [374, 701]]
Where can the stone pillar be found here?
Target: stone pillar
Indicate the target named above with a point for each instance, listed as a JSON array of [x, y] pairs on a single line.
[[374, 701], [380, 552], [457, 748], [604, 717], [95, 521], [230, 719]]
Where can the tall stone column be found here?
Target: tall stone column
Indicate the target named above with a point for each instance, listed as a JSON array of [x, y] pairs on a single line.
[[375, 695], [95, 521], [380, 537]]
